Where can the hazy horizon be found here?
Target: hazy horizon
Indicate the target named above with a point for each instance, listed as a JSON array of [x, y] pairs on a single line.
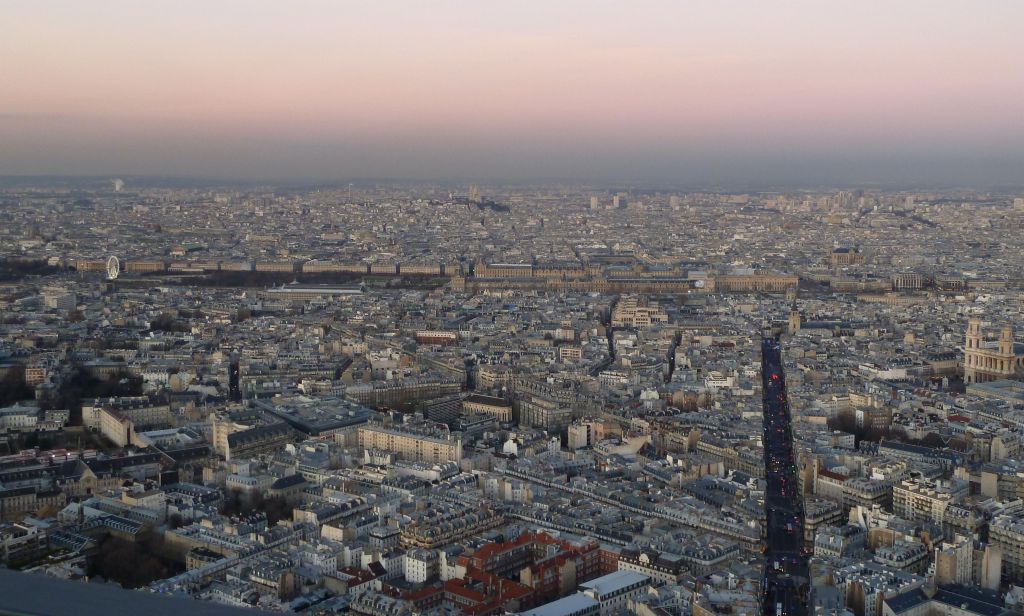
[[740, 93]]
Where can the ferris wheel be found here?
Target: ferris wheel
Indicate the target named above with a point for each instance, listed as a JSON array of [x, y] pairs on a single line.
[[113, 268]]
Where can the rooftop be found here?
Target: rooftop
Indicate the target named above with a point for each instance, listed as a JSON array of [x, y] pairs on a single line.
[[39, 594], [614, 582], [572, 604]]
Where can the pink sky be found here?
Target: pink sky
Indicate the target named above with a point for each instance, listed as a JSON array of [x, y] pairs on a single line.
[[149, 86]]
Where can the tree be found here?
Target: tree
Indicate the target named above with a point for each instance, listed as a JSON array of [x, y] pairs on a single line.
[[131, 564], [167, 323], [932, 439], [234, 503], [79, 385], [277, 509], [846, 422], [237, 503], [12, 386]]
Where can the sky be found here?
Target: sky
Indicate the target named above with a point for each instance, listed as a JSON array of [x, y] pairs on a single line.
[[675, 91]]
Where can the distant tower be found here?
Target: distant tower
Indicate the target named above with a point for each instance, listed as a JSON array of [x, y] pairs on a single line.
[[794, 320], [118, 184], [972, 344], [973, 334], [1006, 341], [594, 203]]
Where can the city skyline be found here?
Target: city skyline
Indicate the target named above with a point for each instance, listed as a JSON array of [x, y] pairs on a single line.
[[573, 308], [915, 93]]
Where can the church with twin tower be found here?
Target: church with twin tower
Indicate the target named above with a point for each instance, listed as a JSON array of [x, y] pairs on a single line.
[[991, 360]]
